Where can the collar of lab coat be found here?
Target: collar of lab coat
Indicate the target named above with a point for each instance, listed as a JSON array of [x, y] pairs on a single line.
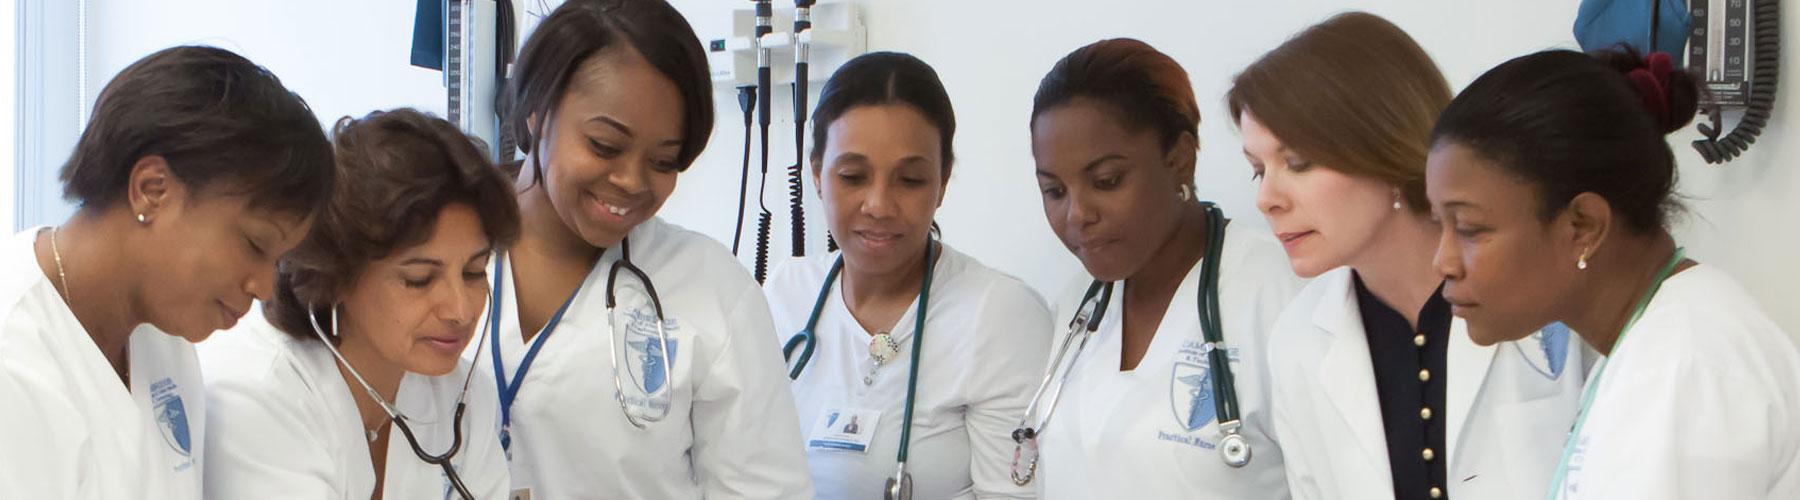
[[1349, 375]]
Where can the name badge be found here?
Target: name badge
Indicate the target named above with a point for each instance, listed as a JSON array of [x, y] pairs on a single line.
[[849, 429]]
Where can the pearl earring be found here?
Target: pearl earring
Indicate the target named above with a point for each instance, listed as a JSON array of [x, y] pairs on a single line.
[[142, 219]]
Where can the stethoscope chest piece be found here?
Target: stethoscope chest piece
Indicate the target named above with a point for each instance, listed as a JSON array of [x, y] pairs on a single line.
[[899, 487], [1234, 450]]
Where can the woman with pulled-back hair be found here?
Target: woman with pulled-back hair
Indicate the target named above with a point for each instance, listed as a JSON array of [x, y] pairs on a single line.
[[1138, 392], [1553, 181], [898, 320], [633, 358]]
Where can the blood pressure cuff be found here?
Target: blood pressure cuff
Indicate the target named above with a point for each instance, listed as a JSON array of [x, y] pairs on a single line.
[[1602, 24]]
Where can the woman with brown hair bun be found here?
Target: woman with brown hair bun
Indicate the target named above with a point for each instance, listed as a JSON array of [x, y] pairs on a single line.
[[1380, 392]]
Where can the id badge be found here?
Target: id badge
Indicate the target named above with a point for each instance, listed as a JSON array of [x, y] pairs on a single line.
[[848, 429]]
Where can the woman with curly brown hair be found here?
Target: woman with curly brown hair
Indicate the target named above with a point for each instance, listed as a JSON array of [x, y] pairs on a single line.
[[351, 383]]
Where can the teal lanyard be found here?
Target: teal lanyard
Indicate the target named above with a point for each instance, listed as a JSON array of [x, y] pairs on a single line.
[[1593, 385]]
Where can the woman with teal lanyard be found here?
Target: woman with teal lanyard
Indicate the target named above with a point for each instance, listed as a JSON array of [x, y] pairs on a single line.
[[634, 358], [910, 359], [1158, 387], [1553, 180]]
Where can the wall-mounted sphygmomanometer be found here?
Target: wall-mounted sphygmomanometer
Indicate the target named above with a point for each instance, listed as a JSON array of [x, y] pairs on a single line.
[[1733, 46]]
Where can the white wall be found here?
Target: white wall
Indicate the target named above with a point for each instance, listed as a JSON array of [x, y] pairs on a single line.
[[345, 57], [991, 55]]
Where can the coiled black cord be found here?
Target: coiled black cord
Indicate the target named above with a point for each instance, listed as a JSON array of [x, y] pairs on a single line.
[[1765, 72], [762, 246]]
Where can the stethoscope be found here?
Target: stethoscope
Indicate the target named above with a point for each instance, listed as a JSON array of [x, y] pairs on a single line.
[[1234, 450], [658, 402], [399, 420], [899, 487]]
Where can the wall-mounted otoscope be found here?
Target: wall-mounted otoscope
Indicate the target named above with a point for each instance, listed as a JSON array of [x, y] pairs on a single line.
[[796, 179]]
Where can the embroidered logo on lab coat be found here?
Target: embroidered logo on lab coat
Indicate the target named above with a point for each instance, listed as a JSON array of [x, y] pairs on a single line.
[[1191, 395], [644, 358], [1547, 351], [171, 416]]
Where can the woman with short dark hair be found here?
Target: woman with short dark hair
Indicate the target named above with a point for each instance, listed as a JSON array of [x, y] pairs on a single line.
[[351, 383], [197, 170]]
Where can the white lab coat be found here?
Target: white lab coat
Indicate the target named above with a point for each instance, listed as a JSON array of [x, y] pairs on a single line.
[[1509, 406], [69, 428], [284, 424], [1700, 400], [730, 430], [987, 336], [1134, 434]]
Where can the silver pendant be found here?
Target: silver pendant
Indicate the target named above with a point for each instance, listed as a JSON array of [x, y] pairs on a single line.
[[883, 348], [1234, 450]]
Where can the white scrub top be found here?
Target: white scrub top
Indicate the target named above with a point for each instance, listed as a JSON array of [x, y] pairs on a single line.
[[1701, 399], [69, 428], [729, 432], [1136, 433], [987, 336], [285, 424]]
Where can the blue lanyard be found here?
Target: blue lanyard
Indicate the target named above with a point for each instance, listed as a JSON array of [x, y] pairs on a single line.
[[1593, 385], [509, 388]]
